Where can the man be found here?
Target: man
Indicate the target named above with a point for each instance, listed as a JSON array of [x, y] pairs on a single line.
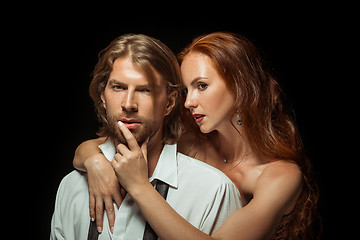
[[135, 83]]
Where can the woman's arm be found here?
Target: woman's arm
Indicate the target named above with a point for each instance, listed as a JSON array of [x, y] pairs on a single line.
[[275, 193], [87, 150], [130, 165], [165, 221], [257, 220], [104, 187]]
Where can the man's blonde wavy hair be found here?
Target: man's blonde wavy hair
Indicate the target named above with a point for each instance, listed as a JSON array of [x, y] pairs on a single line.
[[148, 55]]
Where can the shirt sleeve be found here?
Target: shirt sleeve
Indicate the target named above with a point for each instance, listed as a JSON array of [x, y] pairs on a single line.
[[56, 232], [225, 202]]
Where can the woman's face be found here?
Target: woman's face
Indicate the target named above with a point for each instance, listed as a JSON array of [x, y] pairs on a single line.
[[208, 98]]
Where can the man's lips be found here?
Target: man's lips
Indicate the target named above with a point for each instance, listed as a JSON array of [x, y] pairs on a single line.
[[198, 117], [130, 123]]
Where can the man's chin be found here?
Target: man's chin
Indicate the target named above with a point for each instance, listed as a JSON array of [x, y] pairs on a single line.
[[141, 132], [140, 137]]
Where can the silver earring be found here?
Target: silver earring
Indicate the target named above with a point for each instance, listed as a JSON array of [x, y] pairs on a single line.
[[237, 118]]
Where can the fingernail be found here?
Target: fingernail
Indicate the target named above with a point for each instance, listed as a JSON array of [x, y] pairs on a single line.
[[99, 229], [120, 123], [92, 219], [112, 229]]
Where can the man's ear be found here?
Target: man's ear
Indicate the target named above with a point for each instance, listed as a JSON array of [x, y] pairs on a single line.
[[171, 102], [102, 96]]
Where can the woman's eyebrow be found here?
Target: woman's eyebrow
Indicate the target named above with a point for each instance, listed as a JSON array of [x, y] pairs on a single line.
[[197, 79]]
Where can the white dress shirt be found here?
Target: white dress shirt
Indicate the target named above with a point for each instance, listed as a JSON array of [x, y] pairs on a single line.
[[200, 193]]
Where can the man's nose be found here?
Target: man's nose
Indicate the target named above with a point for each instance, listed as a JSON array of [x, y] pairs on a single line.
[[129, 103]]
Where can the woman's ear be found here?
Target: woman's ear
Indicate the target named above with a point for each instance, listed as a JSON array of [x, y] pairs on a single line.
[[171, 102]]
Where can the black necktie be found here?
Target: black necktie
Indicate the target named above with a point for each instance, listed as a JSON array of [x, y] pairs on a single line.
[[93, 233], [149, 233], [162, 188]]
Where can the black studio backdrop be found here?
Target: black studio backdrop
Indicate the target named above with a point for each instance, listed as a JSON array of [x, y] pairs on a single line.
[[59, 52]]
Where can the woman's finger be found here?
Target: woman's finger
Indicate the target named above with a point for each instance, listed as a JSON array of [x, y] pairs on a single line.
[[122, 149], [110, 213], [132, 143], [115, 163], [99, 211], [144, 150], [92, 207], [118, 198]]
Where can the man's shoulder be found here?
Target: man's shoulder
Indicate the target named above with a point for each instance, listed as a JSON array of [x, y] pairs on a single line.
[[74, 175], [203, 170], [73, 181], [204, 182]]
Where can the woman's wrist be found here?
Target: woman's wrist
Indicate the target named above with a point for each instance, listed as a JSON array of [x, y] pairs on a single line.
[[140, 190], [95, 161]]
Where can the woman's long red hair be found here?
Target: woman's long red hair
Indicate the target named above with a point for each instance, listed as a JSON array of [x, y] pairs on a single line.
[[268, 125]]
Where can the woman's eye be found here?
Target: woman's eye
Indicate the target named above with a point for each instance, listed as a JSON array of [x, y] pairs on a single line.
[[202, 86], [184, 92]]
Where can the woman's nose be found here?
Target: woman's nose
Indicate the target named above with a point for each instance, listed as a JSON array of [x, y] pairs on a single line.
[[190, 101]]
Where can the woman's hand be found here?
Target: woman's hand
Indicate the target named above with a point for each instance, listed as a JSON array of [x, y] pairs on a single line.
[[104, 188], [130, 163]]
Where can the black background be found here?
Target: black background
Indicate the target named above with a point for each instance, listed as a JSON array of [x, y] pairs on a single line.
[[51, 52]]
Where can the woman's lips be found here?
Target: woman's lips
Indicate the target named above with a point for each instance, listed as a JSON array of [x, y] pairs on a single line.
[[198, 117]]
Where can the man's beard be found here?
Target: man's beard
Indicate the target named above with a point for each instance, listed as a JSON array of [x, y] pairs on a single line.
[[145, 130]]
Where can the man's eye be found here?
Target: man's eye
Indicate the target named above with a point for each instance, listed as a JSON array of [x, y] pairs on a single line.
[[145, 90], [202, 86], [117, 87]]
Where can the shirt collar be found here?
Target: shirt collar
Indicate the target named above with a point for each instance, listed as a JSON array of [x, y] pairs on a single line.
[[166, 167]]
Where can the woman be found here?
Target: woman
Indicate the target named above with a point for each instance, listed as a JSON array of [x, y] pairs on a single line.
[[235, 120]]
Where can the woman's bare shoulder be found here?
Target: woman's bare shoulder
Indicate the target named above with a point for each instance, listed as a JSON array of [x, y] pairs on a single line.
[[282, 182], [281, 169]]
